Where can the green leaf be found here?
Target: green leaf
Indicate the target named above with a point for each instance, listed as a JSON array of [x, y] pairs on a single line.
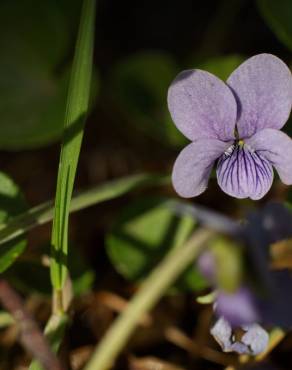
[[76, 111], [221, 66], [150, 292], [34, 39], [277, 15], [11, 203], [43, 213], [33, 30], [139, 85], [31, 108], [143, 233]]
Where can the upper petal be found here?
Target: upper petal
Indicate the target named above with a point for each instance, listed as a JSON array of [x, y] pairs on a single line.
[[238, 308], [202, 106], [263, 88], [192, 167], [276, 147]]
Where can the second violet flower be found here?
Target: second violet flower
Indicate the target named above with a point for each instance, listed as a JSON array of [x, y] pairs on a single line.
[[236, 124]]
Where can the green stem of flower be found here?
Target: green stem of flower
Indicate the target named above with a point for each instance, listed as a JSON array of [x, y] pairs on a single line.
[[150, 292]]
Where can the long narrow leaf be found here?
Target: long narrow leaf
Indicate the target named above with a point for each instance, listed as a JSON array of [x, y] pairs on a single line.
[[77, 107], [43, 213], [152, 289]]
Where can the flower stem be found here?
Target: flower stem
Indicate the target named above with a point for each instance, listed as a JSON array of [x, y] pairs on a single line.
[[150, 292]]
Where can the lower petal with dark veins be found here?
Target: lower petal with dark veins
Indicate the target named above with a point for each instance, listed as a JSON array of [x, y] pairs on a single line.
[[243, 173]]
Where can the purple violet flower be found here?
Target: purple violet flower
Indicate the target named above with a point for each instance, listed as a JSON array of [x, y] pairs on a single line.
[[254, 340], [270, 303], [236, 124], [238, 308]]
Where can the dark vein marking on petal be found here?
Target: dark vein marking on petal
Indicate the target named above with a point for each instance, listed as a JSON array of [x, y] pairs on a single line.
[[244, 173]]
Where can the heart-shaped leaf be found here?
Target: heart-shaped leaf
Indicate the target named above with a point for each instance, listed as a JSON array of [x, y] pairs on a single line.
[[34, 39], [143, 233]]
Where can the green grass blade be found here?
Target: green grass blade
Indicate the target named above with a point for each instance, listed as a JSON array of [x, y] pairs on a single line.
[[152, 289], [43, 213], [76, 111]]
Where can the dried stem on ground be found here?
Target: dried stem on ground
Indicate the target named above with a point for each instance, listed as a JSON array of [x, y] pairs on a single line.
[[30, 335]]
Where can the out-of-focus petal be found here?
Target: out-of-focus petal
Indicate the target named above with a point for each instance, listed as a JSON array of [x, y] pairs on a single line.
[[237, 308], [254, 340], [207, 266], [202, 106], [276, 147], [192, 167], [263, 88], [222, 332], [242, 173]]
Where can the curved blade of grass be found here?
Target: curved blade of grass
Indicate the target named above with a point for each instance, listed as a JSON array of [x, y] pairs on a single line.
[[76, 111], [144, 300], [44, 212]]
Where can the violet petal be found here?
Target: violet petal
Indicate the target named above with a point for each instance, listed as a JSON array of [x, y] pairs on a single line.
[[263, 88], [202, 106], [222, 332], [255, 338], [254, 341], [237, 308], [207, 266], [276, 147], [192, 167], [242, 173]]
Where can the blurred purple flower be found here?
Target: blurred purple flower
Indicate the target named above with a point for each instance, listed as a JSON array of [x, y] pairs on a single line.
[[254, 340], [271, 302], [237, 124], [246, 310], [207, 266], [239, 308], [234, 310]]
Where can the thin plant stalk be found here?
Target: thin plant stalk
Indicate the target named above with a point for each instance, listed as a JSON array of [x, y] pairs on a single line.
[[145, 299], [44, 212]]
